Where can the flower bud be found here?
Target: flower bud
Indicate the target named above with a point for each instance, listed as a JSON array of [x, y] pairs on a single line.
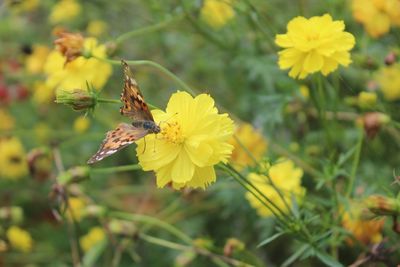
[[381, 205], [391, 58], [69, 44], [121, 227], [373, 121], [13, 213], [232, 245], [366, 99], [78, 99]]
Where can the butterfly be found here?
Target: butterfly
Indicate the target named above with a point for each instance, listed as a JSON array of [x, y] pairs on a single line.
[[133, 107]]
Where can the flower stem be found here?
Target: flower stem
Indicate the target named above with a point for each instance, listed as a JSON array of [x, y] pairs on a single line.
[[104, 100], [156, 66], [145, 30], [152, 221], [125, 168], [356, 162]]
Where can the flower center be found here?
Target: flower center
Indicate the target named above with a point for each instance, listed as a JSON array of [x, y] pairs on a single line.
[[172, 133]]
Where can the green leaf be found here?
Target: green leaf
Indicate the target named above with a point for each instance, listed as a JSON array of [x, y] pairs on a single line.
[[296, 255], [270, 239], [327, 259]]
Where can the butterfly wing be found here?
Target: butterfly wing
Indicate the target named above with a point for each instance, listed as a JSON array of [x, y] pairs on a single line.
[[134, 105], [117, 139]]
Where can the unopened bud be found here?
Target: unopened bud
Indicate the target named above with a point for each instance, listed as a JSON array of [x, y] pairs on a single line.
[[381, 205], [78, 99], [121, 227], [391, 58], [373, 121], [232, 245]]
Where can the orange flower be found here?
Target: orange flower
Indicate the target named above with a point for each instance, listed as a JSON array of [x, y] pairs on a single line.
[[69, 44]]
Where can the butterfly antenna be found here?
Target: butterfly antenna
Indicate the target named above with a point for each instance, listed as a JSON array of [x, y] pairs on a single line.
[[166, 121]]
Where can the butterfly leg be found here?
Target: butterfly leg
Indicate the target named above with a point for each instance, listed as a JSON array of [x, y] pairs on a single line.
[[144, 149]]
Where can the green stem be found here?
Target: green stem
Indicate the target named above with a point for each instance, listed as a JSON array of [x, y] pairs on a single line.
[[356, 162], [152, 64], [145, 30], [153, 221], [125, 168], [104, 100]]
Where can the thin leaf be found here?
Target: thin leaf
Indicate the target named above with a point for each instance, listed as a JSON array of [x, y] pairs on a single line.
[[93, 254], [296, 255], [270, 239], [327, 259]]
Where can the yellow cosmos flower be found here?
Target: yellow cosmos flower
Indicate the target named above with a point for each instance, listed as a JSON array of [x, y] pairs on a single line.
[[389, 82], [42, 94], [251, 148], [7, 121], [92, 238], [13, 164], [64, 10], [367, 231], [19, 239], [81, 124], [286, 177], [377, 15], [217, 13], [77, 73], [96, 28], [34, 63], [76, 209], [315, 44], [193, 138]]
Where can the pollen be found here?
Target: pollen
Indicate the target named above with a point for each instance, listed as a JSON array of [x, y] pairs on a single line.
[[172, 133]]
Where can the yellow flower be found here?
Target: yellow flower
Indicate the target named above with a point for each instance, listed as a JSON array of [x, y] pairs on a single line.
[[19, 239], [286, 177], [315, 44], [217, 13], [75, 209], [96, 28], [7, 121], [42, 94], [81, 124], [366, 99], [251, 141], [377, 15], [79, 72], [367, 231], [34, 63], [13, 163], [91, 239], [64, 10], [389, 81], [193, 138]]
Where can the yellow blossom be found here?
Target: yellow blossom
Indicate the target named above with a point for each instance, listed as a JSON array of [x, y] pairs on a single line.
[[42, 94], [193, 138], [34, 62], [286, 177], [217, 13], [13, 163], [367, 231], [81, 124], [313, 45], [389, 81], [64, 10], [366, 99], [377, 15], [92, 238], [96, 28], [7, 121], [75, 210], [19, 239], [251, 148], [81, 71]]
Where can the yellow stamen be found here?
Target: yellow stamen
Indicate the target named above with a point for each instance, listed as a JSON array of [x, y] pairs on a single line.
[[172, 133]]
